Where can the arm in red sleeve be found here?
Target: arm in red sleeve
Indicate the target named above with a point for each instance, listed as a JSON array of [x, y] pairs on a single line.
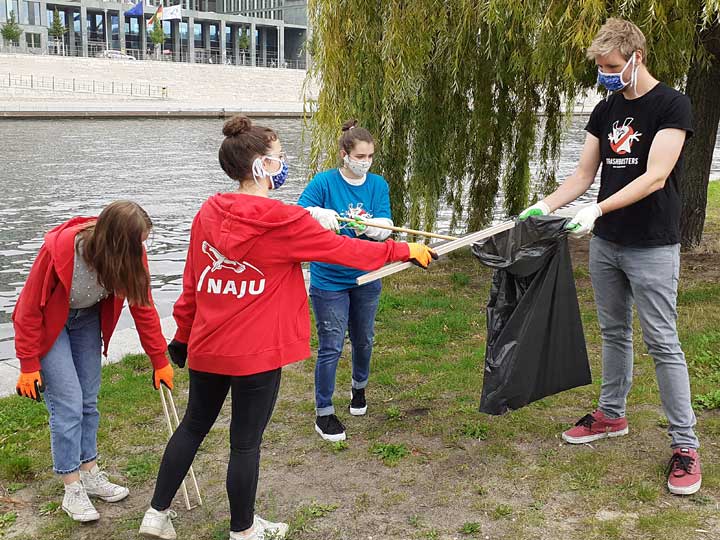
[[28, 314], [147, 322], [308, 241]]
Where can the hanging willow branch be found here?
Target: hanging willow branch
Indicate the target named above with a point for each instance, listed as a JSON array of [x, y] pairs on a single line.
[[463, 94]]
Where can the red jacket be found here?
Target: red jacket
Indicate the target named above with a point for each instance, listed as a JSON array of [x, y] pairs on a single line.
[[244, 309], [44, 303]]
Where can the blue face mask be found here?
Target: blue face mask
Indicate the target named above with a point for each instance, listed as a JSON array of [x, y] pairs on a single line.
[[277, 179], [614, 81]]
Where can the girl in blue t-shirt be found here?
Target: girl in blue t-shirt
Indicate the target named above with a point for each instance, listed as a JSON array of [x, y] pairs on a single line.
[[339, 304]]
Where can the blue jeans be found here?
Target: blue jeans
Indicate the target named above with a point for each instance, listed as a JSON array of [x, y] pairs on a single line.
[[337, 312], [71, 373], [647, 277]]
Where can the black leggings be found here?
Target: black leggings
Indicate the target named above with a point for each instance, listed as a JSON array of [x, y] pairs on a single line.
[[253, 400]]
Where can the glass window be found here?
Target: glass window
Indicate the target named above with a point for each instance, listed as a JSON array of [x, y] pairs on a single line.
[[33, 13], [22, 16], [33, 40], [3, 10]]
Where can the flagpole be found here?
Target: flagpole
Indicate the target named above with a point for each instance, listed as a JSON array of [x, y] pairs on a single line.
[[105, 23]]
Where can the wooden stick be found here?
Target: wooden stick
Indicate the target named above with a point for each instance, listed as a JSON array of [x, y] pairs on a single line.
[[170, 433], [447, 247], [371, 223], [440, 249], [192, 472]]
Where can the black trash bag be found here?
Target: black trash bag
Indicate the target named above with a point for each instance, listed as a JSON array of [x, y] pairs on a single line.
[[535, 343]]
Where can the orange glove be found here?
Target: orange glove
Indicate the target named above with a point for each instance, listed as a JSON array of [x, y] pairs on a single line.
[[30, 385], [163, 375], [421, 255]]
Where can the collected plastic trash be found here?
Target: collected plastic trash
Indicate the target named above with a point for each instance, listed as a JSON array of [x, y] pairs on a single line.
[[535, 342]]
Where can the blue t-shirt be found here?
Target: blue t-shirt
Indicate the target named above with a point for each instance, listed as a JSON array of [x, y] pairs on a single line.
[[329, 190]]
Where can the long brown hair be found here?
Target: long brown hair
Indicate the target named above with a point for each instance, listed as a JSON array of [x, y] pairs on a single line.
[[113, 247], [243, 142]]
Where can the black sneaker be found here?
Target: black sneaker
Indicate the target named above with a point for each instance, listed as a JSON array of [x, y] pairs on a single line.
[[330, 428], [358, 405]]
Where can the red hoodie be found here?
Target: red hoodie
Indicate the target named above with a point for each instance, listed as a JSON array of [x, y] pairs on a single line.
[[44, 303], [244, 309]]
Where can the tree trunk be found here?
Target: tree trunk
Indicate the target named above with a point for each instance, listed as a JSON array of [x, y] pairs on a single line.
[[702, 89]]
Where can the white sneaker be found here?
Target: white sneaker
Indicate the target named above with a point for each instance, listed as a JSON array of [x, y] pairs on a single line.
[[96, 484], [77, 505], [262, 530], [157, 524]]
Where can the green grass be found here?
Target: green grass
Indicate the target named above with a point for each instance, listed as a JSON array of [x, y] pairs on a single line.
[[424, 462], [390, 454], [471, 527]]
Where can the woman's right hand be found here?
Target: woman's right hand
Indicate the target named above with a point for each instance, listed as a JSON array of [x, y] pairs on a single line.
[[30, 385], [325, 217], [164, 375], [421, 255]]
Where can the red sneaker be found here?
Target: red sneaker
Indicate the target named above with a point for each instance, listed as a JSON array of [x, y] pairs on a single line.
[[684, 476], [592, 427]]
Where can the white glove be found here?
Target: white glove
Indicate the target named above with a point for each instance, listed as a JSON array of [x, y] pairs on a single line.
[[537, 209], [325, 217], [584, 220], [376, 233]]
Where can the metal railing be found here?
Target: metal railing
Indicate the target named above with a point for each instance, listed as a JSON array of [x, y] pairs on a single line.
[[83, 86], [202, 56]]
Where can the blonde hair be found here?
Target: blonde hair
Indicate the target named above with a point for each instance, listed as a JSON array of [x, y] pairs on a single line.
[[618, 34]]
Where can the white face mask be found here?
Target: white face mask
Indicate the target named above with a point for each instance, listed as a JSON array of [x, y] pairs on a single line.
[[358, 168]]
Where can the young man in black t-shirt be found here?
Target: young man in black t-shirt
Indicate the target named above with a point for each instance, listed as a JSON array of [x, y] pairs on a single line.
[[637, 134]]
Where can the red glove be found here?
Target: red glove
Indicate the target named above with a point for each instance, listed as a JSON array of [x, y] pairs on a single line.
[[30, 385]]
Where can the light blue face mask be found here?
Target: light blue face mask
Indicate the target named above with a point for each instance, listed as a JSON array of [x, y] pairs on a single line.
[[614, 81]]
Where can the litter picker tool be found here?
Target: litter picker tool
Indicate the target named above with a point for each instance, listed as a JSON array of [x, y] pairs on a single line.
[[457, 243], [371, 223], [171, 430], [440, 249]]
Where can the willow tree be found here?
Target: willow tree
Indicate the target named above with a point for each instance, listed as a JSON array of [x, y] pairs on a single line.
[[464, 94]]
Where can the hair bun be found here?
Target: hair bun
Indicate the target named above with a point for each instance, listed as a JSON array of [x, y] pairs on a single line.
[[349, 124], [237, 125]]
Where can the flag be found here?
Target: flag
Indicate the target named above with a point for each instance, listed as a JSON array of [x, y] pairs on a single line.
[[157, 17], [173, 13], [136, 10]]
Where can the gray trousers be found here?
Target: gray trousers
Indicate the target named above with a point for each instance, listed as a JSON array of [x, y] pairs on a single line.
[[649, 277]]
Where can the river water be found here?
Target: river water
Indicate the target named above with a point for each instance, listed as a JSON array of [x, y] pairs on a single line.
[[51, 170]]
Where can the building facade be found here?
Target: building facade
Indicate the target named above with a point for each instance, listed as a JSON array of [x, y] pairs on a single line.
[[266, 33]]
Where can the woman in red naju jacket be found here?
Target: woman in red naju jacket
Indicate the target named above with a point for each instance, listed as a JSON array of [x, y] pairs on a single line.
[[243, 314], [64, 318]]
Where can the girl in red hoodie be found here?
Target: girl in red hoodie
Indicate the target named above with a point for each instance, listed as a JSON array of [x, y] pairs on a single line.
[[243, 314], [66, 312]]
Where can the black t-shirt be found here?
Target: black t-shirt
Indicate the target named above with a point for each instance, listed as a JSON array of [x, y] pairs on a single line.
[[626, 129]]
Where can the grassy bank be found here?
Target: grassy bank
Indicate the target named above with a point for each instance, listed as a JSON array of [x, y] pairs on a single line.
[[424, 464]]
